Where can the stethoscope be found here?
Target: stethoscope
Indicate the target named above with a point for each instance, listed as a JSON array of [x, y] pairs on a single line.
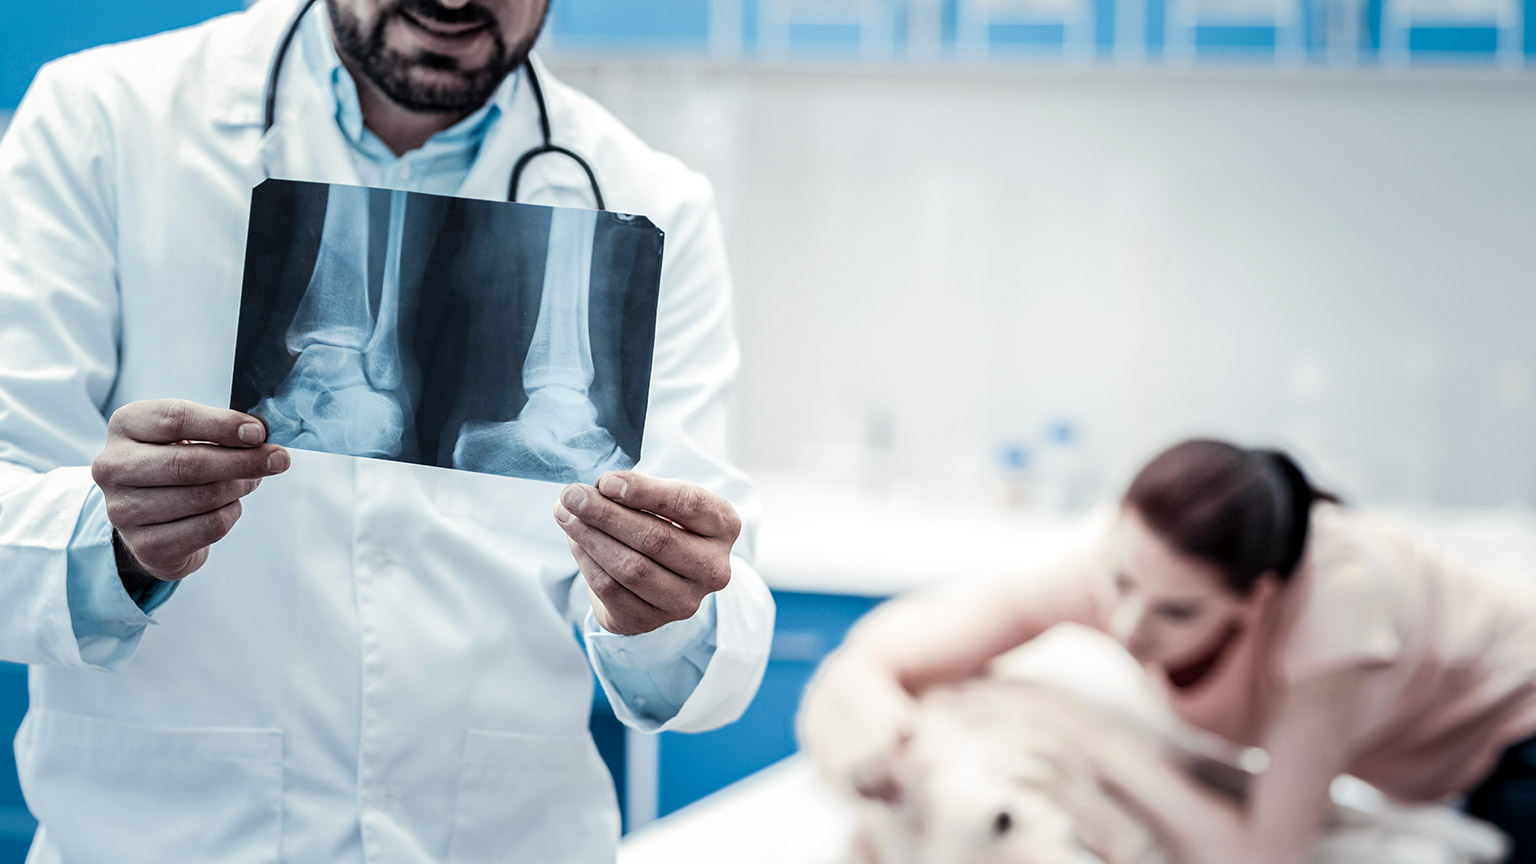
[[270, 116]]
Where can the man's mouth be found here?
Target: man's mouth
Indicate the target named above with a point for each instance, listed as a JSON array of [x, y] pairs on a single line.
[[459, 33]]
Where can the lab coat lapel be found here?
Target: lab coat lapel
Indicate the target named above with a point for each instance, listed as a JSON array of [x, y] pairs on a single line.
[[306, 143]]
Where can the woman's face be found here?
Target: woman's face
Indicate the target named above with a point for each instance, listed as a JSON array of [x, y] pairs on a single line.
[[1169, 608]]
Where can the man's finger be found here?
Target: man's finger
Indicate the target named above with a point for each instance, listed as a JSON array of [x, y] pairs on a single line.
[[651, 582], [623, 611], [683, 552], [195, 464], [167, 421], [693, 507], [167, 548], [154, 505]]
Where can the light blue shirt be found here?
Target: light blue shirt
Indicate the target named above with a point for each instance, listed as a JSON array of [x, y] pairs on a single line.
[[652, 673]]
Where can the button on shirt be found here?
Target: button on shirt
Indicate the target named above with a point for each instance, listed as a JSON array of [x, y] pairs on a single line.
[[653, 673]]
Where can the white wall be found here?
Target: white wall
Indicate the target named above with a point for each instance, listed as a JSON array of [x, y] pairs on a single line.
[[1342, 264]]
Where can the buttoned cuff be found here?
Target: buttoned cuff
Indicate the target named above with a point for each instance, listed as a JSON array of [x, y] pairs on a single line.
[[107, 621], [648, 676]]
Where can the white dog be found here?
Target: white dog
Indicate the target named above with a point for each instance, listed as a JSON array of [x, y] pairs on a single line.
[[994, 773]]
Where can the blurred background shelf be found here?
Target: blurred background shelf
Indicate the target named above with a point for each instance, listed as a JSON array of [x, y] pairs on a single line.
[[1338, 32], [1490, 33]]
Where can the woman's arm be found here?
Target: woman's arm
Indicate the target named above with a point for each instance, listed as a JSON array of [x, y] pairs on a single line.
[[857, 710], [947, 635], [1278, 823]]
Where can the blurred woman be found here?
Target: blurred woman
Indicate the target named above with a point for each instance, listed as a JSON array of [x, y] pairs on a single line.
[[1264, 612]]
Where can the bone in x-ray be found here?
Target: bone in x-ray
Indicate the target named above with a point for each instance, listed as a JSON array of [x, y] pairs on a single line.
[[344, 393], [556, 435], [488, 336]]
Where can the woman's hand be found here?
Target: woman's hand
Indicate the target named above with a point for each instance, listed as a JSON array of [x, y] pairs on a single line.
[[1104, 824], [854, 721], [858, 711]]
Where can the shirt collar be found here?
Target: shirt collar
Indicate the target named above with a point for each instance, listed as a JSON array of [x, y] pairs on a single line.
[[325, 66]]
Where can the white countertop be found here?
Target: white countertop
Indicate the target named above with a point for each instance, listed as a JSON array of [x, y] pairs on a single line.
[[840, 539], [844, 540], [780, 815]]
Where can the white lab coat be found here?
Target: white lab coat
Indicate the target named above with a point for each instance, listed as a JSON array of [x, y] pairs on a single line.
[[377, 663]]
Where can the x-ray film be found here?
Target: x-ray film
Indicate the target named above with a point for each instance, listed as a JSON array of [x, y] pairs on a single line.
[[485, 336]]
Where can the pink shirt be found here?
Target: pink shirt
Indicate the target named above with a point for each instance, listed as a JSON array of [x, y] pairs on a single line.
[[1451, 656]]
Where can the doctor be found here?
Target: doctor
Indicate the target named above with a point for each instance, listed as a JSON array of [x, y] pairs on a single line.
[[360, 660]]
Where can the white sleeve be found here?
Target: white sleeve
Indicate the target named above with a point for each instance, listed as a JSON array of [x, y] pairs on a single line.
[[692, 375], [58, 360]]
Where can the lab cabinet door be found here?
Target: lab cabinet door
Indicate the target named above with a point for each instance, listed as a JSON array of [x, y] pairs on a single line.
[[16, 824], [807, 628]]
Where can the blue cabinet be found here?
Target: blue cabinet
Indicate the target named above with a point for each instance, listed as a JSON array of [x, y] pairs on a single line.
[[808, 627], [689, 766], [16, 824]]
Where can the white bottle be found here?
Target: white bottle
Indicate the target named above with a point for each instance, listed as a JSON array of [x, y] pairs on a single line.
[[1015, 472], [1061, 472]]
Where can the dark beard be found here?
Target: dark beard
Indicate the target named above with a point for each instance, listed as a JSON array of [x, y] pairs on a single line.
[[391, 70]]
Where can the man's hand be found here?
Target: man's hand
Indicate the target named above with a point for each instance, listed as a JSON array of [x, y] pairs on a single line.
[[173, 473], [650, 549]]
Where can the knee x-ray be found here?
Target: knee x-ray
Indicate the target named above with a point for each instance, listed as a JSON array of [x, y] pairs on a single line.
[[487, 336]]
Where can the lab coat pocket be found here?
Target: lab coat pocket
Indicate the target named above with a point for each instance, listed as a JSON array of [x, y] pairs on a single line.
[[128, 793], [533, 798]]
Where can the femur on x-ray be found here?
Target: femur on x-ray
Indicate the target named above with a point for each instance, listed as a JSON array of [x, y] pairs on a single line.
[[500, 338]]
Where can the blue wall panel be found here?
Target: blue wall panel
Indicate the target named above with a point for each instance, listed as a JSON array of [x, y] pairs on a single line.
[[674, 25], [34, 33]]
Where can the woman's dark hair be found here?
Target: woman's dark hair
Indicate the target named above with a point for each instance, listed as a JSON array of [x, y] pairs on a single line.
[[1245, 511]]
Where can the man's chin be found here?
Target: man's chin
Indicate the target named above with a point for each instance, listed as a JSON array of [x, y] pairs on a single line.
[[439, 91]]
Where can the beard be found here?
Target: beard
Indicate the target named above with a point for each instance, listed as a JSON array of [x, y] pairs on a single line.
[[393, 71]]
